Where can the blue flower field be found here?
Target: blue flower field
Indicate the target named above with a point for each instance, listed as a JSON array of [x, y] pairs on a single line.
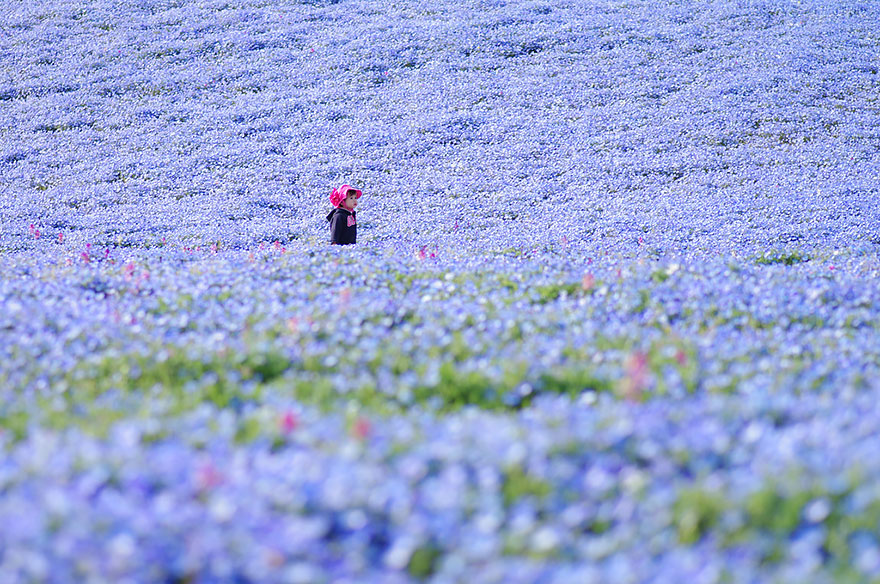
[[613, 315]]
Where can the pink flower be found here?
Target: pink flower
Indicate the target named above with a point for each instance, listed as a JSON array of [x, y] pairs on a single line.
[[208, 477], [361, 428], [635, 381], [588, 281], [422, 253], [289, 422], [681, 357], [60, 238]]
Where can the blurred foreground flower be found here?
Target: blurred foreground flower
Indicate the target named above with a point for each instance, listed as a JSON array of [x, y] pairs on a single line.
[[289, 422], [208, 477], [681, 357], [588, 282], [361, 428], [635, 380]]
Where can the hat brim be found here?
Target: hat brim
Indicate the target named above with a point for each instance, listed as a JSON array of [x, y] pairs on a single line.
[[347, 189]]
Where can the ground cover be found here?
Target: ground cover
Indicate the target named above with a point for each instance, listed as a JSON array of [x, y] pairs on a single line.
[[612, 316]]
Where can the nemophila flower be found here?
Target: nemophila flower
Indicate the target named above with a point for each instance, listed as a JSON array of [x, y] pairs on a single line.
[[140, 432]]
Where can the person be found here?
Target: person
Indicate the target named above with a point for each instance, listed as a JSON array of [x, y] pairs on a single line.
[[343, 219]]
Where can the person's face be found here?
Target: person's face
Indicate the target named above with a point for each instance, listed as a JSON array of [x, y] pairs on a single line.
[[350, 201]]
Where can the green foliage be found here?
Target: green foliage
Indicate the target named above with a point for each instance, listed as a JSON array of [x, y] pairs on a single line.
[[772, 510], [14, 423], [423, 562], [248, 430], [318, 392], [505, 282], [458, 388], [775, 513], [696, 512], [550, 292], [573, 381], [511, 251], [785, 258], [659, 276], [182, 378], [187, 379], [644, 301], [676, 354], [517, 484]]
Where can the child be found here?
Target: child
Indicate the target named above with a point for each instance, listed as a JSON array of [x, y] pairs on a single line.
[[343, 221]]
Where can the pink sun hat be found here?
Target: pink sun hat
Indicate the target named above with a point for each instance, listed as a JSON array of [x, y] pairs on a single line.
[[338, 194]]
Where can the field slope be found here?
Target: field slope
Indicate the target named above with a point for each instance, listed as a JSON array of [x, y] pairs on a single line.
[[612, 315]]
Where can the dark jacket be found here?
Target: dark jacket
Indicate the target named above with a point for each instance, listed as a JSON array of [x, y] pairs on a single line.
[[343, 226]]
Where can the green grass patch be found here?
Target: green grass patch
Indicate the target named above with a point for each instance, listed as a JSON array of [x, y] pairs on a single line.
[[423, 562], [517, 484], [781, 257], [188, 379], [551, 292], [697, 511], [772, 510], [573, 381]]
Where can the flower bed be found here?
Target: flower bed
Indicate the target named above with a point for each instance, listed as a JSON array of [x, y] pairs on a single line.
[[612, 314]]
